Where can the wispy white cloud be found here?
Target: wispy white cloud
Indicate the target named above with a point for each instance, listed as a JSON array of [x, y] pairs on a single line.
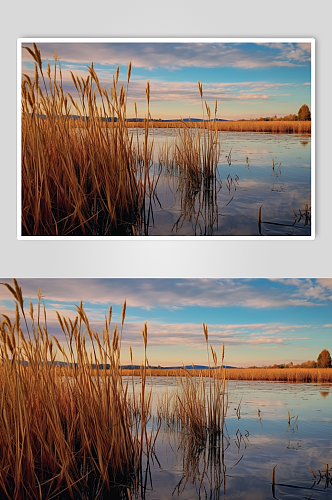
[[184, 91], [178, 55], [167, 293], [319, 289]]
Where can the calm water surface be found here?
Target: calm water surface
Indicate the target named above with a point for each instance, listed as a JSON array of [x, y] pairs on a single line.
[[258, 437], [255, 169]]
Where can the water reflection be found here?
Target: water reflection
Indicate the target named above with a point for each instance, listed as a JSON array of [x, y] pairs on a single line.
[[286, 426], [198, 205], [203, 466], [253, 170], [178, 196]]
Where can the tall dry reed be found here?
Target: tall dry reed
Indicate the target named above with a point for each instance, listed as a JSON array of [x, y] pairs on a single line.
[[202, 401], [198, 150], [79, 176], [72, 427]]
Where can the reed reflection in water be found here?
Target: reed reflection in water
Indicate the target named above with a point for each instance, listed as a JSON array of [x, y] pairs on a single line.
[[253, 170], [267, 424]]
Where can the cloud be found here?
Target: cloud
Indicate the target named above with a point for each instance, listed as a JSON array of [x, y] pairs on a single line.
[[325, 282], [187, 335], [157, 298], [151, 293], [289, 53], [318, 290], [265, 340], [184, 91], [178, 55]]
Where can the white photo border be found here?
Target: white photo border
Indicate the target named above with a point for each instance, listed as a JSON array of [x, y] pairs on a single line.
[[37, 40]]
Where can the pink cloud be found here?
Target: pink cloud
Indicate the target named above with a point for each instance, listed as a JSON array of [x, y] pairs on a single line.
[[176, 55]]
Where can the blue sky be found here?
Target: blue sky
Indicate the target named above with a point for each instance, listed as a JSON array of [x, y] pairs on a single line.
[[248, 80], [261, 321]]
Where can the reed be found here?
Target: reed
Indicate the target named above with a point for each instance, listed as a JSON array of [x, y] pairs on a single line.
[[197, 147], [202, 401], [68, 427], [80, 176]]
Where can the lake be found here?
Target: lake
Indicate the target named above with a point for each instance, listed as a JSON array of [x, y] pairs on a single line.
[[272, 171], [268, 424]]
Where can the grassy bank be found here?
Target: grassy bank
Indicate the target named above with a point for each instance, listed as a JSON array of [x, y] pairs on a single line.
[[274, 127], [273, 375]]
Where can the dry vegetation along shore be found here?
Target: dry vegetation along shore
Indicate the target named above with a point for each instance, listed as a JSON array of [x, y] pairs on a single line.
[[273, 374], [274, 127], [79, 429]]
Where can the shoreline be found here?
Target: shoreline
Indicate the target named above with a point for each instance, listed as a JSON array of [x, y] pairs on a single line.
[[272, 127], [293, 375]]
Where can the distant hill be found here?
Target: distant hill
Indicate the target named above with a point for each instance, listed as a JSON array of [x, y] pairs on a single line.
[[186, 120], [200, 120], [136, 367], [134, 120], [195, 367], [188, 367]]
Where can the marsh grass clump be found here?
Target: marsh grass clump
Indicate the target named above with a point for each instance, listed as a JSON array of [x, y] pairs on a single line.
[[202, 401], [196, 153], [69, 426], [197, 147], [80, 176]]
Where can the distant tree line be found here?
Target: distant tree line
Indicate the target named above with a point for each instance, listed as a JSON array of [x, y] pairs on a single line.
[[323, 361], [303, 115]]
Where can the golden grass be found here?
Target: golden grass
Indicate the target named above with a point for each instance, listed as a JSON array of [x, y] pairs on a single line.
[[197, 149], [281, 374], [81, 179], [274, 374], [80, 425], [274, 127], [202, 402], [91, 176], [70, 427]]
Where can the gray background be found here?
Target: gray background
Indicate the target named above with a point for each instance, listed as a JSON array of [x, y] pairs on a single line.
[[161, 18]]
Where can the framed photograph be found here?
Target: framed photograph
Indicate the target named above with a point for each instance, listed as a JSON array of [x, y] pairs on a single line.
[[166, 139], [113, 388]]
